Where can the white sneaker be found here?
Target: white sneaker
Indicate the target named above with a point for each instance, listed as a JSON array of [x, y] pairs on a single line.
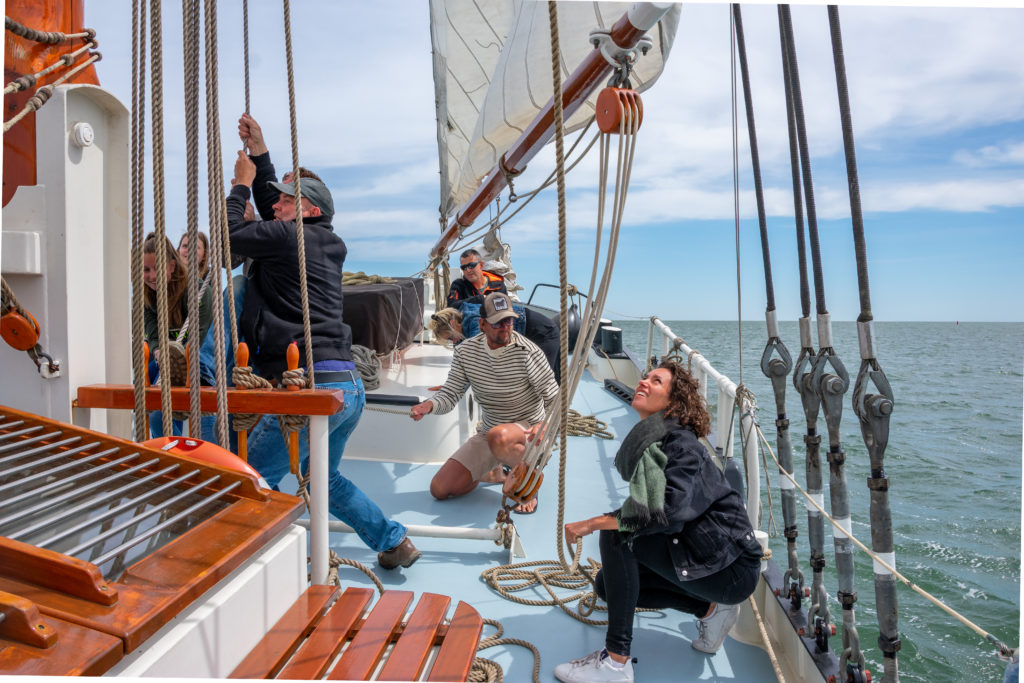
[[594, 668], [713, 629]]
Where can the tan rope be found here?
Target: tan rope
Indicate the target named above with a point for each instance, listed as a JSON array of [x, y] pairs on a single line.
[[361, 278], [216, 212], [245, 49], [139, 369], [43, 94], [159, 224], [1003, 648], [7, 299], [300, 233], [487, 670], [244, 378], [767, 643], [27, 81], [563, 313], [190, 56], [334, 560], [586, 425]]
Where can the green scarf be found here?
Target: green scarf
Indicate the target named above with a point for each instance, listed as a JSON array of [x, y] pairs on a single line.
[[641, 462]]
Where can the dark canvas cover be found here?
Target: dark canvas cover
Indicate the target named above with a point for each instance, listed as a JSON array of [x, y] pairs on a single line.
[[385, 317]]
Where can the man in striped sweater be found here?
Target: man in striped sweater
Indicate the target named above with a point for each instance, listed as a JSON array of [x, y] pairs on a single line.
[[513, 383]]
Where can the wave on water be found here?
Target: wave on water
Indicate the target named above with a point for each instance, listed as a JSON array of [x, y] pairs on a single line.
[[954, 465]]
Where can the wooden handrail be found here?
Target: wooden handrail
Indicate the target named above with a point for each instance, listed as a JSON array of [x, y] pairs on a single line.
[[259, 401]]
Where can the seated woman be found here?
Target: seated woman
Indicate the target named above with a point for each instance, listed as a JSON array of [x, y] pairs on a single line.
[[451, 324], [203, 249], [177, 314], [682, 540]]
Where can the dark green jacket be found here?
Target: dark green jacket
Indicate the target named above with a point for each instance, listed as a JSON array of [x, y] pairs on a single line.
[[205, 318]]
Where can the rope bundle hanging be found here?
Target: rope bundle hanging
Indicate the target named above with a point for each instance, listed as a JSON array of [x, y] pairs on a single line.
[[568, 574], [43, 94]]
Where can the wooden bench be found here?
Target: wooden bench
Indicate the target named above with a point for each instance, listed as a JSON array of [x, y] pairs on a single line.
[[306, 641]]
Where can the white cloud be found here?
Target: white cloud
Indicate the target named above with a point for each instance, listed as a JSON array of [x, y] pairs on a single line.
[[1010, 153]]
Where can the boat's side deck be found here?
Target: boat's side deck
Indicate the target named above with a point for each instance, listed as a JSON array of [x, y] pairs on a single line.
[[453, 567]]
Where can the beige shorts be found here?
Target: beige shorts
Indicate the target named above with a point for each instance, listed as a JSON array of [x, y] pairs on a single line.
[[475, 455]]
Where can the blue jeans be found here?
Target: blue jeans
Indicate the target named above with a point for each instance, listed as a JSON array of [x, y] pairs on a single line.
[[268, 453], [208, 351]]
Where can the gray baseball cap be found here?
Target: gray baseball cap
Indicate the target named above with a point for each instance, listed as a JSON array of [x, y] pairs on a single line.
[[313, 190]]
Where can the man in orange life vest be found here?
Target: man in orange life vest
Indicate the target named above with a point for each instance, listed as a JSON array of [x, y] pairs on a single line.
[[475, 280]]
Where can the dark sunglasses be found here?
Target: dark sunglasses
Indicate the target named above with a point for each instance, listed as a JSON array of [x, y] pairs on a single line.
[[504, 322], [467, 266]]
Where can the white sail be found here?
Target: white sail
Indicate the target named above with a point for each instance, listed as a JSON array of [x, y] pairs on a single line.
[[492, 75]]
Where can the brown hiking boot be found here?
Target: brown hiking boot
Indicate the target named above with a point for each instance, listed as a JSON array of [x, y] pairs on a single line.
[[402, 555], [177, 365]]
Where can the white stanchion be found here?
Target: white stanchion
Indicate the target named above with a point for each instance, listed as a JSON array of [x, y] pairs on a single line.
[[318, 528]]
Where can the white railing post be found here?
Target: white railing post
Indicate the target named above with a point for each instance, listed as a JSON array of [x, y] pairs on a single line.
[[726, 402], [750, 459], [318, 475]]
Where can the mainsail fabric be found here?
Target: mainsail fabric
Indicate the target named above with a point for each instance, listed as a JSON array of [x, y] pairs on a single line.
[[492, 75]]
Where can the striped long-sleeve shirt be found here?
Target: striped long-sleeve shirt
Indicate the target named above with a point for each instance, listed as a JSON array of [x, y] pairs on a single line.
[[512, 384]]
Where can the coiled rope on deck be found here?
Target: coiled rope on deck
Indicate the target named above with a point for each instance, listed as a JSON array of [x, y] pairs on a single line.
[[486, 670]]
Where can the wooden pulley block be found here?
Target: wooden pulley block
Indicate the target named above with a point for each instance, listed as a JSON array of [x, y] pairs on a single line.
[[616, 104], [19, 331], [523, 483]]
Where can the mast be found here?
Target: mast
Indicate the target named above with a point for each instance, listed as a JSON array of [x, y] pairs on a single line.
[[591, 72]]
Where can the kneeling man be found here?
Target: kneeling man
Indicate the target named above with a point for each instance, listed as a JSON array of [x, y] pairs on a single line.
[[515, 388]]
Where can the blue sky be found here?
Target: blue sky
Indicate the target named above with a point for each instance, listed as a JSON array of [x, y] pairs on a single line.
[[938, 114]]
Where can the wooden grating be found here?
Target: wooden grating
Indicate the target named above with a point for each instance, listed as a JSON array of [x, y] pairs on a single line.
[[222, 517]]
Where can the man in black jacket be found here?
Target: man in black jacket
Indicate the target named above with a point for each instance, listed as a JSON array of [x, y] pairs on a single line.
[[272, 318]]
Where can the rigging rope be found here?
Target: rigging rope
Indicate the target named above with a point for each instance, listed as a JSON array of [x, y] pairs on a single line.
[[736, 188], [218, 218], [27, 81], [873, 410], [297, 180], [190, 56], [43, 94], [159, 223], [818, 613], [563, 311], [139, 369], [49, 37], [775, 369], [1004, 649]]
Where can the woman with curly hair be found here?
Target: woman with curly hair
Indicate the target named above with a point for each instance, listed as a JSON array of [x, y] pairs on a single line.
[[682, 540]]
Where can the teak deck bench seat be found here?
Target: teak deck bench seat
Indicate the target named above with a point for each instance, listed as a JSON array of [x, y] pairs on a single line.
[[305, 643]]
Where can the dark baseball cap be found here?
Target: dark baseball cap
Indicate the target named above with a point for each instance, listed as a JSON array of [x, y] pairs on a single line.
[[313, 190]]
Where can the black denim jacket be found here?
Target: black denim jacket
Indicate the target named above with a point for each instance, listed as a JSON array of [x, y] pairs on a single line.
[[707, 525]]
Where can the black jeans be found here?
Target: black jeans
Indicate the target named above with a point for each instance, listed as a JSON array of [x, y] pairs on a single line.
[[645, 577]]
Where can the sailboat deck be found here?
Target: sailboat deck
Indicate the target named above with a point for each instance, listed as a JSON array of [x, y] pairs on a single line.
[[454, 567]]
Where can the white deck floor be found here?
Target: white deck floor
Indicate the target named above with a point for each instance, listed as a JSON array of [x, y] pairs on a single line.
[[453, 567]]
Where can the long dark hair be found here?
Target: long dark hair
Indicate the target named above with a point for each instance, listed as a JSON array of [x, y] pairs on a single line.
[[204, 265], [176, 285], [685, 402]]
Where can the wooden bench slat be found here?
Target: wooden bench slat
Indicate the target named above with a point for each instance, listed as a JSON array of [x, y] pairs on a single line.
[[459, 646], [274, 649], [410, 652], [316, 653], [362, 655]]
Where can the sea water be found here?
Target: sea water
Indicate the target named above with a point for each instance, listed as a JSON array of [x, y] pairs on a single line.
[[954, 467]]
